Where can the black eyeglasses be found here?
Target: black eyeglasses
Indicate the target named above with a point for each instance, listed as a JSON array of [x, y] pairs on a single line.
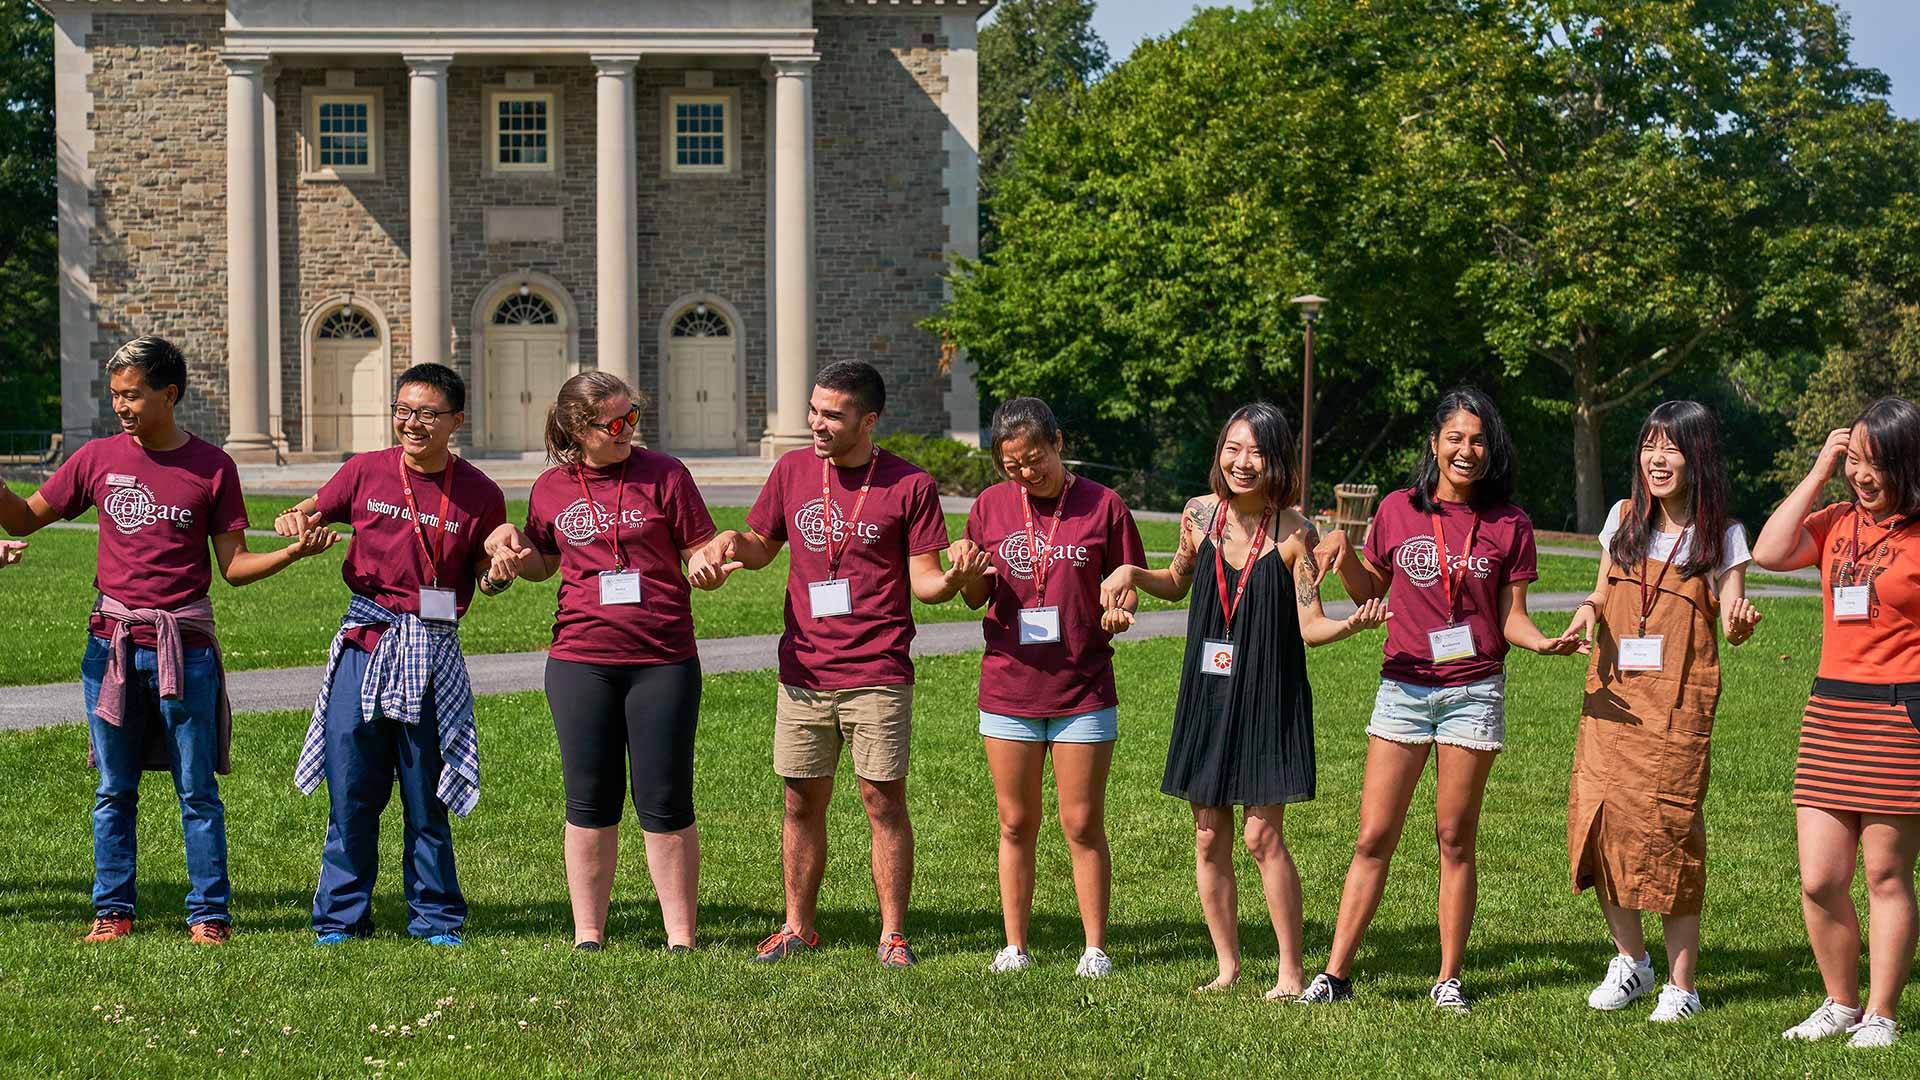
[[407, 415], [619, 424]]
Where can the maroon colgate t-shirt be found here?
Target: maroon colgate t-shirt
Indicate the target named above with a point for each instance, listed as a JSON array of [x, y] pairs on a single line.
[[867, 646], [1402, 542], [384, 562], [158, 508], [1096, 536], [649, 505]]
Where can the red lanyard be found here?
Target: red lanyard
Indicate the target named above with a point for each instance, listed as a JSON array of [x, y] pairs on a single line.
[[1220, 563], [1446, 564], [1854, 560], [419, 533], [1042, 565], [1650, 595], [619, 513], [826, 509]]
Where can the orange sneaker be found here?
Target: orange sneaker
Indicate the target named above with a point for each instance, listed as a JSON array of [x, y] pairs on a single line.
[[783, 943], [211, 932], [110, 926]]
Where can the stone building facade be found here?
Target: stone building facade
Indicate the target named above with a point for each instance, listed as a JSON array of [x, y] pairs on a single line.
[[710, 198]]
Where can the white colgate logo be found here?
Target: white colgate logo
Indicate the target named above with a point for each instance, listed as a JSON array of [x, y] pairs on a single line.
[[581, 521], [811, 523], [134, 508], [1020, 561], [1419, 558]]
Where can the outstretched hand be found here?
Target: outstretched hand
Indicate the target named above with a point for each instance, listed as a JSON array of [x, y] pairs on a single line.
[[1742, 617], [312, 540], [1370, 614], [710, 567], [1332, 550], [968, 563], [12, 551]]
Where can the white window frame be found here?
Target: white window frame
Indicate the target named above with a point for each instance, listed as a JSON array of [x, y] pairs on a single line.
[[316, 96], [728, 99], [497, 94]]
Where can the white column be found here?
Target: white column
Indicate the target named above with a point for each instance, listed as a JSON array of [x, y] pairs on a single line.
[[792, 254], [961, 178], [430, 234], [276, 405], [246, 258], [617, 247]]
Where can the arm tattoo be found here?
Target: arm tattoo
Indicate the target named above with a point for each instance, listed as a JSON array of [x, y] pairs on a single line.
[[1306, 587]]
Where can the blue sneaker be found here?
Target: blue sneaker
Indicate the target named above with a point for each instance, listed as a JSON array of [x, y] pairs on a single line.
[[331, 937], [446, 941]]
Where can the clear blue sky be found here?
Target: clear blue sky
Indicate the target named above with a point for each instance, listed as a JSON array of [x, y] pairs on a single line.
[[1886, 35]]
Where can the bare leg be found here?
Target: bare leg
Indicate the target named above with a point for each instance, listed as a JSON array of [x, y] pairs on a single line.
[[1888, 844], [673, 861], [1392, 771], [1461, 787], [886, 803], [1017, 767], [1828, 840], [803, 848], [1080, 775], [591, 855], [1280, 880], [1682, 936], [1219, 893], [1629, 936]]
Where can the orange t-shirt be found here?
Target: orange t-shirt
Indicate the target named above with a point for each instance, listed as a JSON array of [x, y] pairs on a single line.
[[1884, 647]]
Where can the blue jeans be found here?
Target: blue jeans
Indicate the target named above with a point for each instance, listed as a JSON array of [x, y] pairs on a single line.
[[188, 729], [363, 759]]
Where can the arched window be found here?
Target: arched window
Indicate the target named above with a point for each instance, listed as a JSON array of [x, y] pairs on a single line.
[[346, 324], [529, 310], [701, 322]]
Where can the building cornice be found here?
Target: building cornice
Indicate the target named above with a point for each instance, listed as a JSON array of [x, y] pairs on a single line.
[[108, 7], [526, 41], [975, 8]]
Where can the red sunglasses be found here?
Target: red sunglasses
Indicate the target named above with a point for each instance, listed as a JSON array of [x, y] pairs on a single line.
[[619, 424]]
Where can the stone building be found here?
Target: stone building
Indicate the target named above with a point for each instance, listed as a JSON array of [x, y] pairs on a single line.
[[710, 197]]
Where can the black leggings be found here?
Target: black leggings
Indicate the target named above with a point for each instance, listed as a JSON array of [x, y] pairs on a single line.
[[607, 716]]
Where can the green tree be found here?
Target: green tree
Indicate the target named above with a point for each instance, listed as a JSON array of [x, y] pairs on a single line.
[[1881, 359], [1033, 50], [29, 238]]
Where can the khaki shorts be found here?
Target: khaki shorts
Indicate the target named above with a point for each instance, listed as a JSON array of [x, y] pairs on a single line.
[[810, 726]]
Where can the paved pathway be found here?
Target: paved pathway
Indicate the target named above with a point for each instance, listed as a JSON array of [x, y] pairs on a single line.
[[26, 707]]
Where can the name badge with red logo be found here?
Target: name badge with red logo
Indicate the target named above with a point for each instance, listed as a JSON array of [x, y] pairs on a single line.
[[1642, 653], [1850, 603], [1216, 657]]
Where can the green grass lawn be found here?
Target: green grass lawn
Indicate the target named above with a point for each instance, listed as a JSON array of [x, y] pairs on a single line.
[[519, 1002]]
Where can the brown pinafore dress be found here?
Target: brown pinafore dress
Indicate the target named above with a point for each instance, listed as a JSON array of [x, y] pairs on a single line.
[[1636, 830]]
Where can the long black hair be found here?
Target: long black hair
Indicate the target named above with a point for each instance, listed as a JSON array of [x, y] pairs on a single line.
[[1693, 430], [1495, 483], [1893, 437], [1026, 417], [1274, 438]]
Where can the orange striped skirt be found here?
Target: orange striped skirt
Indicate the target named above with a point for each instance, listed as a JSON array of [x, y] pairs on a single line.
[[1859, 749]]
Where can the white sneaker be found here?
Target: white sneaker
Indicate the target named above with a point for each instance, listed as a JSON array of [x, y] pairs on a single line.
[[1831, 1018], [1626, 980], [1094, 964], [1675, 1005], [1011, 958], [1874, 1030], [1448, 997]]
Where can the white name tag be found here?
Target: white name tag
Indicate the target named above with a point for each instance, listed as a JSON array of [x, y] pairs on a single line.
[[1216, 657], [1850, 603], [438, 605], [830, 598], [1642, 653], [1453, 643], [619, 587], [1039, 625]]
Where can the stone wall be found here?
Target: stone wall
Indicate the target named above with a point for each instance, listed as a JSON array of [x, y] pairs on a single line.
[[160, 167], [879, 199]]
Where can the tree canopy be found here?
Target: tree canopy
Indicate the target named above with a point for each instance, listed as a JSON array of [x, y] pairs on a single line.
[[29, 237]]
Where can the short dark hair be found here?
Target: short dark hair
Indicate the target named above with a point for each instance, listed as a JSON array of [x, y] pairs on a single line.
[[158, 361], [1278, 450], [1893, 429], [1495, 485], [1695, 432], [858, 380], [438, 377], [1023, 416]]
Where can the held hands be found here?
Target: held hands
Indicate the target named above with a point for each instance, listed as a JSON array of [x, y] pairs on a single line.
[[1565, 645], [509, 550], [970, 563], [12, 551], [1117, 617], [1332, 550], [1586, 619], [1369, 615], [1117, 589], [715, 561], [291, 522], [1742, 617], [311, 540]]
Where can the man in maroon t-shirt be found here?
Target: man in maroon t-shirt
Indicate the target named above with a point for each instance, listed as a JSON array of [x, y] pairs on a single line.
[[867, 532], [151, 675]]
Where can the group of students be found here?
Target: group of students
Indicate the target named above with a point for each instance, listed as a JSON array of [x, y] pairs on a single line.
[[1058, 563]]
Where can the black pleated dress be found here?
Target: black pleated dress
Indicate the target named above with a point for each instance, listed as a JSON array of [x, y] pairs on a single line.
[[1245, 739]]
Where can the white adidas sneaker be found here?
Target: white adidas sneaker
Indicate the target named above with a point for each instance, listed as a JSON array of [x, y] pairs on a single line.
[[1625, 981], [1675, 1005], [1830, 1019], [1874, 1030], [1094, 964]]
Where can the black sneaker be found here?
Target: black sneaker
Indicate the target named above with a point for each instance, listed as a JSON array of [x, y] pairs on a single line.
[[1326, 989], [587, 946], [679, 950]]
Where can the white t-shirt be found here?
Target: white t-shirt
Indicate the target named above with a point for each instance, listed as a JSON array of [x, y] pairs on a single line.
[[1672, 547]]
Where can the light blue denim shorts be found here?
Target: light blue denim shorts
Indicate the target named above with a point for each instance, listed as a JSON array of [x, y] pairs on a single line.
[[1473, 716], [1101, 725]]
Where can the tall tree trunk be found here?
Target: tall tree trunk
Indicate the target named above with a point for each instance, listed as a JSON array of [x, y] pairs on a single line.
[[1589, 501]]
